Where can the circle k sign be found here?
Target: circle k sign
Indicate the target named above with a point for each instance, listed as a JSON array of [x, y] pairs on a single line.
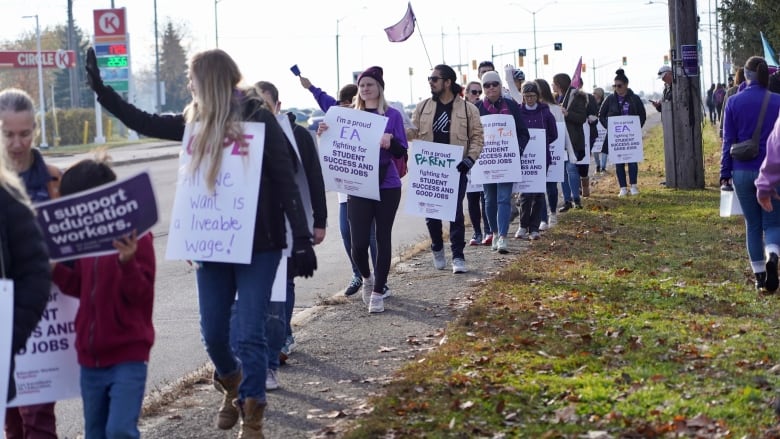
[[109, 22]]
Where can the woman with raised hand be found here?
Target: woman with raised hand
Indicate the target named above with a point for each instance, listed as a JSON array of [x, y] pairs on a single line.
[[220, 105]]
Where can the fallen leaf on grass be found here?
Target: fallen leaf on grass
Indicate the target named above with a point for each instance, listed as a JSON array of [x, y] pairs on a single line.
[[386, 349], [466, 405]]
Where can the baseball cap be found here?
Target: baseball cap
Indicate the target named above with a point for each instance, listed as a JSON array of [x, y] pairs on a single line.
[[662, 71]]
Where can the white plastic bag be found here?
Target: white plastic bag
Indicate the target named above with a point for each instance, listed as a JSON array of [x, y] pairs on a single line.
[[729, 203]]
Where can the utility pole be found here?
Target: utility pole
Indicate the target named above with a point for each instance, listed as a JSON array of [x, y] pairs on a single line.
[[683, 154]]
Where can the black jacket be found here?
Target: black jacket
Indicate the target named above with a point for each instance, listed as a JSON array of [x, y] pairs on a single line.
[[311, 166], [25, 259], [278, 191], [611, 107], [575, 103]]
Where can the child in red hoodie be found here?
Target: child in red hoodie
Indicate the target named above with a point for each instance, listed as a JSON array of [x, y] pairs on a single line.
[[114, 331]]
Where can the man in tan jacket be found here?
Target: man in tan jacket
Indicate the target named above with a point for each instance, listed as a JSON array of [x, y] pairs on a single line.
[[447, 118]]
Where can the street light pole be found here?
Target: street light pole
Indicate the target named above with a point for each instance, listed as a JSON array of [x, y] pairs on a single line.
[[156, 62], [338, 71], [41, 96], [216, 25], [536, 48]]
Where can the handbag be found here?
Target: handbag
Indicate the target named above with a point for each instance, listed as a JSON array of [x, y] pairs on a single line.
[[748, 149]]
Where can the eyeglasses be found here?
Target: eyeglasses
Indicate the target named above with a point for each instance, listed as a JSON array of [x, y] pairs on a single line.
[[434, 78], [491, 84], [618, 86], [530, 95], [475, 92]]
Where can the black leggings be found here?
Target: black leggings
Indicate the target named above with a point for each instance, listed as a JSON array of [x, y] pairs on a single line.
[[362, 213]]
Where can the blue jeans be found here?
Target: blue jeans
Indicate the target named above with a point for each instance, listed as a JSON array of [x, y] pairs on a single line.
[[552, 200], [346, 238], [218, 284], [620, 172], [760, 226], [457, 227], [571, 183], [601, 159], [498, 209], [278, 326], [112, 399], [476, 206]]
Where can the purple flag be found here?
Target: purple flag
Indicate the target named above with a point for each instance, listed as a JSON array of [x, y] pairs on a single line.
[[404, 29], [576, 78]]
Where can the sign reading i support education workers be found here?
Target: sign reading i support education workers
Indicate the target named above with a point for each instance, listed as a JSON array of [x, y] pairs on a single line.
[[534, 164], [218, 225], [349, 151], [87, 223], [624, 134], [499, 161], [6, 333], [433, 180], [558, 153]]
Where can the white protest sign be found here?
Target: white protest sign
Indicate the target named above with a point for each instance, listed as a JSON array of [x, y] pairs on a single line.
[[558, 153], [433, 180], [6, 335], [48, 369], [349, 151], [217, 226], [499, 161], [586, 131], [471, 186], [279, 288], [534, 164], [601, 134], [625, 139]]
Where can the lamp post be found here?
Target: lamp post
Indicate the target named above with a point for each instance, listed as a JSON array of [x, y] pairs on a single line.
[[156, 63], [41, 97], [216, 25], [338, 63], [533, 14]]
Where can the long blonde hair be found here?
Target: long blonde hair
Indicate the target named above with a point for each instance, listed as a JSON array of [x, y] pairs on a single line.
[[216, 106], [11, 182]]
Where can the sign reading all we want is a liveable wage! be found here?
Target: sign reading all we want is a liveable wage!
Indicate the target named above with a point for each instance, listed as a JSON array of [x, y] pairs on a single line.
[[217, 225], [349, 151], [624, 139], [434, 180]]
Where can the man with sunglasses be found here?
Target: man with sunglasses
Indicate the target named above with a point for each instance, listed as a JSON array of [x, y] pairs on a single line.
[[447, 118]]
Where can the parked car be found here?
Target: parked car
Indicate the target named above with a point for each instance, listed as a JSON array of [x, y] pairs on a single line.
[[314, 122]]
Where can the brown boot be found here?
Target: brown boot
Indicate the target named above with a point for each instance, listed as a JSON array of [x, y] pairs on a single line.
[[227, 416], [585, 184], [251, 418]]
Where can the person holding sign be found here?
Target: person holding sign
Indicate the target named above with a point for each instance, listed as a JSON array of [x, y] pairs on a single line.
[[41, 183], [752, 178], [114, 330], [219, 107], [365, 211], [574, 105], [447, 118], [498, 196], [25, 278], [550, 219]]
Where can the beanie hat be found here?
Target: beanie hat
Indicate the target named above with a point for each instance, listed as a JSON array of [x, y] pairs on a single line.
[[518, 74], [491, 76], [374, 72], [530, 87]]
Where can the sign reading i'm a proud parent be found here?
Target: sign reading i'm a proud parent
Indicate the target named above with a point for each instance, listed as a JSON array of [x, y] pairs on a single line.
[[433, 180]]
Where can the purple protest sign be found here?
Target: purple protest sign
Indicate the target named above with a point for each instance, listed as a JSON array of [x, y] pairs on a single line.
[[87, 223], [690, 59]]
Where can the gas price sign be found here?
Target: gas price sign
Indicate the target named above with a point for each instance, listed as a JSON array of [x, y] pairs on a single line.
[[113, 63]]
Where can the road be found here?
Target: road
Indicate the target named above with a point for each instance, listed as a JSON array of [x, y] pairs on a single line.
[[178, 348]]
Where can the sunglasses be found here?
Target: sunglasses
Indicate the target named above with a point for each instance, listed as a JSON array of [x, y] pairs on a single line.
[[618, 86], [475, 92], [491, 84], [434, 78]]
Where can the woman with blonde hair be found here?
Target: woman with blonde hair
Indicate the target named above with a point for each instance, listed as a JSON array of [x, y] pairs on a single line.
[[220, 106]]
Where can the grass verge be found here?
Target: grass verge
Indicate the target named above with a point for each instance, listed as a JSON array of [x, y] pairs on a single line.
[[634, 317]]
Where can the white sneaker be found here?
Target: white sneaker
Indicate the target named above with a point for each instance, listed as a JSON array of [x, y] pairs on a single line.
[[367, 289], [459, 265], [552, 220], [502, 246], [271, 382], [534, 236], [522, 233], [386, 292], [494, 243], [543, 226], [439, 260], [623, 192], [634, 190], [377, 303]]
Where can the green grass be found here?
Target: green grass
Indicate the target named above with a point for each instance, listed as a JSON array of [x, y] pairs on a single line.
[[78, 149], [638, 318]]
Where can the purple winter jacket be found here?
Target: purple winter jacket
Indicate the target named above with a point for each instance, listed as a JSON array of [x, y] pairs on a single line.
[[541, 118]]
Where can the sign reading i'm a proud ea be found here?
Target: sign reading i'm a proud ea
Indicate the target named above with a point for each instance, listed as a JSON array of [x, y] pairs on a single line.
[[624, 139]]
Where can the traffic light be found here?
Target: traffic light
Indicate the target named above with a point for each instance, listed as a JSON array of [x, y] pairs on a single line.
[[666, 60], [546, 59], [463, 76], [558, 46], [582, 69], [521, 52], [473, 64], [625, 61], [519, 61], [411, 71]]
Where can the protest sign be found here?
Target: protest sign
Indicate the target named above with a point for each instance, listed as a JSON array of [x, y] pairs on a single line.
[[87, 223], [47, 369], [534, 164], [471, 186], [625, 139], [559, 154], [6, 334], [499, 161], [219, 225], [433, 180], [349, 151], [601, 134]]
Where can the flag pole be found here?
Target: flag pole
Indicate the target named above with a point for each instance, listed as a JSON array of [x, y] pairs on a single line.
[[417, 23]]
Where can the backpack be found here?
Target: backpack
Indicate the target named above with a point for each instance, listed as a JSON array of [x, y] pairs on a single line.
[[400, 165]]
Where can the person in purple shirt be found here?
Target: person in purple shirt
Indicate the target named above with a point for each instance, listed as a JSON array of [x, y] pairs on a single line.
[[363, 211], [740, 118]]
